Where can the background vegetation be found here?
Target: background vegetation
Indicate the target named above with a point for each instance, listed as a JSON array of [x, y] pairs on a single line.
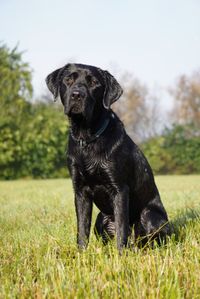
[[33, 137]]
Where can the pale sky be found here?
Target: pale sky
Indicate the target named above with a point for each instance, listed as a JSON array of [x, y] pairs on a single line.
[[156, 40]]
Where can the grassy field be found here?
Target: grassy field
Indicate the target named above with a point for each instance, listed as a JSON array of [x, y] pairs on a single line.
[[39, 258]]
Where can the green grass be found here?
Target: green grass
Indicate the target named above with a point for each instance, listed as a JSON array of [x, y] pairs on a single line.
[[39, 258]]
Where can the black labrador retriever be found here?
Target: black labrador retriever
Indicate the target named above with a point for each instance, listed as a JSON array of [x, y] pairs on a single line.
[[106, 166]]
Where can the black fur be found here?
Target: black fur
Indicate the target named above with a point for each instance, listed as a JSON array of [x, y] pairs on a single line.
[[108, 170]]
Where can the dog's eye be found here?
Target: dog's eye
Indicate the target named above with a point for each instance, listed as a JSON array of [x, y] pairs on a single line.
[[69, 80], [91, 81]]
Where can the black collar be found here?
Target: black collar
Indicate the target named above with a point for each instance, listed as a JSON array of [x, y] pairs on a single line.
[[84, 142]]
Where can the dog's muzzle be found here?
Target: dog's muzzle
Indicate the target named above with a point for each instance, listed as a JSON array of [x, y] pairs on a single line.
[[76, 102]]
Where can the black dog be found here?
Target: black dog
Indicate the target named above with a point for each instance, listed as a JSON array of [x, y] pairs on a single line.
[[106, 167]]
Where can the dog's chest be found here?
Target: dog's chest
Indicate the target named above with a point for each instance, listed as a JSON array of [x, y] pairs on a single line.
[[93, 173], [92, 170]]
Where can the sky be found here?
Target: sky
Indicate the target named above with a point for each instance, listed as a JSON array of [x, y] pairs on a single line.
[[155, 40]]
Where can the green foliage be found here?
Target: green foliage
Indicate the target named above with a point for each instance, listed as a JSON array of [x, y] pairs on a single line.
[[177, 151], [35, 148], [33, 136], [15, 85]]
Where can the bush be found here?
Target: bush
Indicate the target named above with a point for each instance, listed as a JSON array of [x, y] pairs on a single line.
[[177, 151], [36, 147]]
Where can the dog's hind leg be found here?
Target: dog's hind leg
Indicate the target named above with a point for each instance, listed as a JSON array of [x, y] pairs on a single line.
[[104, 227], [153, 225]]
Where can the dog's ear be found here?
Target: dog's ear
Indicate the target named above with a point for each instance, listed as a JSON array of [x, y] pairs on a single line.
[[53, 82], [113, 90]]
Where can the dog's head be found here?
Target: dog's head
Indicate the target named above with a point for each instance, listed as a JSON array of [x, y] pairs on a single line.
[[84, 90]]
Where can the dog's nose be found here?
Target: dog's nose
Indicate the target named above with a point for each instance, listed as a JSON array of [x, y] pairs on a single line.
[[76, 95]]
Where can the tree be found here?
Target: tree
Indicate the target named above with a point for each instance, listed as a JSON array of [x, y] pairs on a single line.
[[33, 135], [138, 109], [186, 94], [15, 85], [15, 89]]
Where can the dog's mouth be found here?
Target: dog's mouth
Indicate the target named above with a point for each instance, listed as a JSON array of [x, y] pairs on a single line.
[[74, 109]]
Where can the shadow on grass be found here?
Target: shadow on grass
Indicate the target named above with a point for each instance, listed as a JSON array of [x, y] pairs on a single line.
[[180, 223]]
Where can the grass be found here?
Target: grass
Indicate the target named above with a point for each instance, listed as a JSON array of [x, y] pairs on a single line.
[[39, 258]]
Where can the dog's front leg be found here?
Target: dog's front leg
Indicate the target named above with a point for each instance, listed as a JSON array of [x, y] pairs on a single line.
[[121, 212], [84, 215]]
